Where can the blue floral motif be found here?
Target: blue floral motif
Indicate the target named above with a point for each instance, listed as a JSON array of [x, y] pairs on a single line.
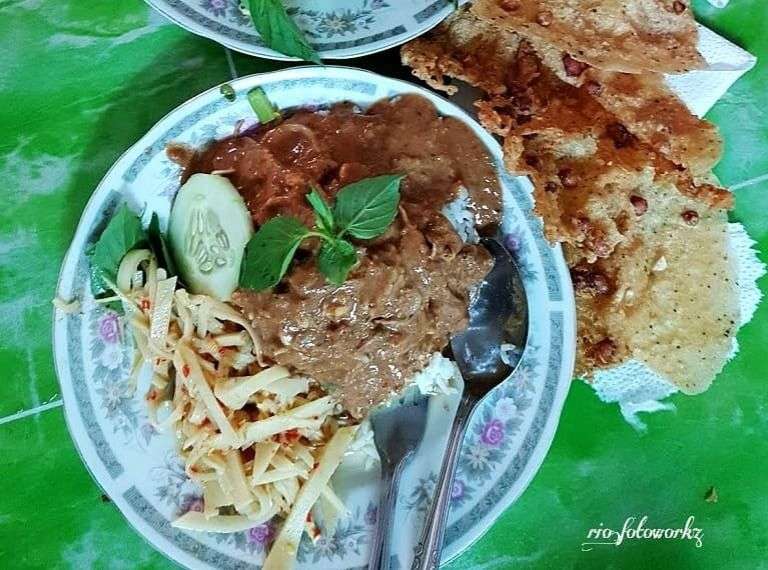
[[516, 242], [461, 492], [420, 498], [111, 361], [216, 8], [490, 435], [314, 23], [371, 514], [174, 488]]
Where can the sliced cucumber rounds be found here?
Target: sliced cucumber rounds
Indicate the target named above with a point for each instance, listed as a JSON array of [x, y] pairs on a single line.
[[208, 230]]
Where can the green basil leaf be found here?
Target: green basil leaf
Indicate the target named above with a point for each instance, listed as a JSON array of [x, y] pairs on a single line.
[[336, 259], [279, 31], [323, 214], [262, 106], [159, 246], [270, 251], [364, 209], [122, 234]]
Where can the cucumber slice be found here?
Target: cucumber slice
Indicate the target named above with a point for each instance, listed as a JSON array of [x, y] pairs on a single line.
[[208, 231]]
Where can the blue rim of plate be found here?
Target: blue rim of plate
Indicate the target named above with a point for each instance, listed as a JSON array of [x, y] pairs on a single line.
[[221, 28], [552, 284]]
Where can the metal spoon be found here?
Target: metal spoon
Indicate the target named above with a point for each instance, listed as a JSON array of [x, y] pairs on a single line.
[[498, 315]]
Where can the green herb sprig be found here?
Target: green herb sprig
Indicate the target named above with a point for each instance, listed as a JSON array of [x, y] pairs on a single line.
[[362, 210], [279, 31], [123, 233]]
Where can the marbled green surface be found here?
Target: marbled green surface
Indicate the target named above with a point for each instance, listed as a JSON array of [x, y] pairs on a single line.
[[81, 81]]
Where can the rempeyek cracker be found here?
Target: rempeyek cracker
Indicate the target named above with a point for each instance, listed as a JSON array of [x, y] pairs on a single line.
[[463, 47], [646, 106], [474, 50], [621, 199], [666, 296], [615, 35]]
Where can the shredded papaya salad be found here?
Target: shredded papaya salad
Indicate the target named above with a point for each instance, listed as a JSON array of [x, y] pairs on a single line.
[[260, 441]]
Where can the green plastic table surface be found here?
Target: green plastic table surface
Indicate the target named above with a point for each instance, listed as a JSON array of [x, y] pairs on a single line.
[[80, 81]]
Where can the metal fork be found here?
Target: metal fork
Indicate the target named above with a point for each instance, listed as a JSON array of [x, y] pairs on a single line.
[[397, 432]]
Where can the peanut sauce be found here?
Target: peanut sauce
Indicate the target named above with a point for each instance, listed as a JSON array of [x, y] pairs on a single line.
[[365, 339]]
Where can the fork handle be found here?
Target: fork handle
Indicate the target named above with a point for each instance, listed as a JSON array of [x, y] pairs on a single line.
[[381, 551], [427, 554]]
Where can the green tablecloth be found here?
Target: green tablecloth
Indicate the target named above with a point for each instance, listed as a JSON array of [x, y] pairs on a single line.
[[81, 81]]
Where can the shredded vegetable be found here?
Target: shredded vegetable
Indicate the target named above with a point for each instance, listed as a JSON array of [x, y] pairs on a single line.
[[261, 442]]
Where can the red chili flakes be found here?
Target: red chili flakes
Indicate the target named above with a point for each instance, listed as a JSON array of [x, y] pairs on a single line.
[[573, 67], [290, 436], [248, 453], [145, 304], [185, 371]]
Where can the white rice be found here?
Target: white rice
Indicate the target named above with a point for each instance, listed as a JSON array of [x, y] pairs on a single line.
[[461, 218], [439, 376]]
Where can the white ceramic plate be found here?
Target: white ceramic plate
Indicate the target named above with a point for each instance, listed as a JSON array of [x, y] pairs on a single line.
[[337, 29], [138, 468]]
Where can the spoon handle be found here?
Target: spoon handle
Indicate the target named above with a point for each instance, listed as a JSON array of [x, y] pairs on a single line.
[[381, 551], [427, 554]]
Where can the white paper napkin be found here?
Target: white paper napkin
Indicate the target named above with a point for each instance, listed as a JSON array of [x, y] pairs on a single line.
[[726, 63]]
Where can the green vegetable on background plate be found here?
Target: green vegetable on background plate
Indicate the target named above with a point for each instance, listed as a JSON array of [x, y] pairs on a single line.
[[362, 210], [279, 31]]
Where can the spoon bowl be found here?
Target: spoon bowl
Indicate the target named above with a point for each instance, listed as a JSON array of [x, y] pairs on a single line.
[[489, 349]]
